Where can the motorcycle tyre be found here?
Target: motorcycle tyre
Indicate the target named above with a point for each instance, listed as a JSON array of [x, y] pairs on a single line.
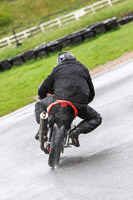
[[57, 145]]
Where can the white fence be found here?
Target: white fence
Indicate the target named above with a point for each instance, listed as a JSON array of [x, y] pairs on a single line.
[[63, 20]]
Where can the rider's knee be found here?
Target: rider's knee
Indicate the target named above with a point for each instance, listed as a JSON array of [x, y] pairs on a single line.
[[99, 119], [39, 108]]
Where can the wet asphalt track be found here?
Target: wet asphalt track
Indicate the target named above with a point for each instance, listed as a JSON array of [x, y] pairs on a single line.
[[101, 169]]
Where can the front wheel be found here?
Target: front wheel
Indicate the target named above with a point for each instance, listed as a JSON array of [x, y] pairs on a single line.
[[57, 145]]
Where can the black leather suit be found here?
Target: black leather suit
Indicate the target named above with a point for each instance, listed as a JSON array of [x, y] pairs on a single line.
[[71, 82]]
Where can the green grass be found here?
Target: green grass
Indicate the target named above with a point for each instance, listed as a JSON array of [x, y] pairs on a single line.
[[28, 13], [19, 85], [118, 10]]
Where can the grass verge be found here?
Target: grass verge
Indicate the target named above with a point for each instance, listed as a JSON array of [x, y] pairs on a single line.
[[28, 13], [19, 85]]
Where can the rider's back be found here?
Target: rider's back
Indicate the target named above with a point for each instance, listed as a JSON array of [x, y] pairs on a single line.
[[71, 82]]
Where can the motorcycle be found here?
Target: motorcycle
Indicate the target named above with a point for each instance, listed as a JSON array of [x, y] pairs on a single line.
[[54, 132]]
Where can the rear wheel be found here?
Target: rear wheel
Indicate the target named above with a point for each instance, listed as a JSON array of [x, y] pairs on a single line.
[[57, 145]]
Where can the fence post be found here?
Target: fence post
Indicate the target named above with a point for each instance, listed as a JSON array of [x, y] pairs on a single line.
[[8, 41], [59, 22], [79, 13], [42, 28], [93, 10], [25, 35], [109, 2], [76, 16]]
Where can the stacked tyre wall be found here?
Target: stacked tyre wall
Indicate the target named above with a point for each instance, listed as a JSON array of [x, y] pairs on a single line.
[[69, 40]]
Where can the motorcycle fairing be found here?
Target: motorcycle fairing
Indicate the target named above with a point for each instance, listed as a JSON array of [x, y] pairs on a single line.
[[63, 103]]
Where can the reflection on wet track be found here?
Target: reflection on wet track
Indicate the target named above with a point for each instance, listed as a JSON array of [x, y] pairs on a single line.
[[101, 169]]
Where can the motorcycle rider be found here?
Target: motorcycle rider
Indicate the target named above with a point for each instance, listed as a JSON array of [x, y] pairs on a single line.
[[71, 82]]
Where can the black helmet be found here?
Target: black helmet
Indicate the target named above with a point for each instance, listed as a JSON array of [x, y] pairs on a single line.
[[65, 56]]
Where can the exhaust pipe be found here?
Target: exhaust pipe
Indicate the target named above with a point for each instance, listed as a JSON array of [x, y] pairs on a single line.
[[43, 129]]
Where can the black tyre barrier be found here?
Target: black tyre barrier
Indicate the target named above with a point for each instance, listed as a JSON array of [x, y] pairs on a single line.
[[65, 41], [76, 37], [28, 55], [125, 20], [87, 33], [56, 45], [41, 50], [98, 28], [17, 61], [111, 23], [5, 64]]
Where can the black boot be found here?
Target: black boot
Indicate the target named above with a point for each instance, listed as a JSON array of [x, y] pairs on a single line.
[[74, 134]]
